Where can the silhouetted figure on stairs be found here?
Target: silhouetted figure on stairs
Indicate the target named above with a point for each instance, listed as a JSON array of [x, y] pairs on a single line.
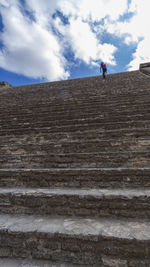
[[103, 68]]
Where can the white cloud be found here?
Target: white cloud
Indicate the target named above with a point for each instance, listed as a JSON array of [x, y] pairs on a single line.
[[34, 49], [29, 49], [135, 30], [140, 29], [82, 39], [4, 3], [42, 11], [84, 43], [141, 55], [94, 10]]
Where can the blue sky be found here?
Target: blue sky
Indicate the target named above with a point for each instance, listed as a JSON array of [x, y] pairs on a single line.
[[51, 40]]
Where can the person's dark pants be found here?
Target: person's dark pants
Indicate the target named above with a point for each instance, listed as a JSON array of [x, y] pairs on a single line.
[[104, 71]]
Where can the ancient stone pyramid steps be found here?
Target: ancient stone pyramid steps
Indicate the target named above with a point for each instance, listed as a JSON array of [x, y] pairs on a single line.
[[74, 172], [88, 241], [32, 263], [93, 178], [100, 120], [67, 146], [122, 203], [72, 160], [103, 111]]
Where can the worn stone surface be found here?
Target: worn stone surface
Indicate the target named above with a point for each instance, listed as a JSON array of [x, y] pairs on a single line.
[[86, 229], [114, 262], [33, 263], [75, 169], [139, 263], [76, 202], [76, 178]]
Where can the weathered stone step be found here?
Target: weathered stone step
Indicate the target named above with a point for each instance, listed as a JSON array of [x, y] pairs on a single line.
[[81, 109], [14, 262], [77, 159], [101, 133], [107, 261], [76, 178], [78, 96], [76, 117], [52, 121], [88, 99], [98, 100], [126, 78], [65, 139], [119, 203], [79, 126], [85, 98], [137, 135], [67, 117], [74, 240], [124, 82], [78, 92], [18, 146], [88, 107]]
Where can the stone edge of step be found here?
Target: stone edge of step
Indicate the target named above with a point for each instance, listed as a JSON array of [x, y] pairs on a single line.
[[83, 228]]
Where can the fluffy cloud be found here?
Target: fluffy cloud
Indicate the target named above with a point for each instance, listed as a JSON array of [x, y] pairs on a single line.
[[94, 10], [135, 30], [141, 55], [34, 41], [84, 43], [28, 48], [140, 30], [42, 11], [4, 3]]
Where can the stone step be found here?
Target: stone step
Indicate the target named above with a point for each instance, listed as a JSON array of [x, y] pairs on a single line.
[[64, 118], [101, 95], [72, 94], [77, 160], [46, 141], [137, 135], [94, 203], [122, 82], [107, 261], [99, 133], [75, 117], [85, 241], [101, 178], [35, 108], [17, 146], [80, 126], [86, 98], [97, 82], [43, 121], [98, 119], [82, 108], [61, 119], [76, 93], [14, 262]]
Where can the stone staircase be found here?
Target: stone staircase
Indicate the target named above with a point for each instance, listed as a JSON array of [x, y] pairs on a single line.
[[75, 173]]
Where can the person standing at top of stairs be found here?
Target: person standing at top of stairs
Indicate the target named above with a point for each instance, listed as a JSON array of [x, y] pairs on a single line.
[[104, 68]]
